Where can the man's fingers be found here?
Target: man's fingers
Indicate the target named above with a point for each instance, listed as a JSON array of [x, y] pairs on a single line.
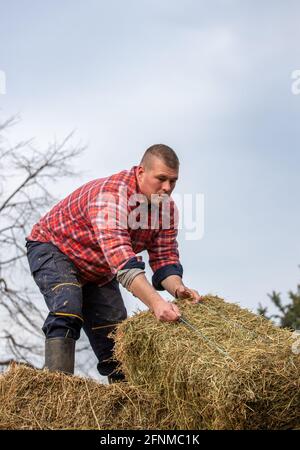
[[184, 292], [195, 296], [176, 311]]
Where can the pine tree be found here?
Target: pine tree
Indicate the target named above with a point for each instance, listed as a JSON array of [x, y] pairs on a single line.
[[288, 315]]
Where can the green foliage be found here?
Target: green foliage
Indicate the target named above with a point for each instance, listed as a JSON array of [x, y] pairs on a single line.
[[288, 315]]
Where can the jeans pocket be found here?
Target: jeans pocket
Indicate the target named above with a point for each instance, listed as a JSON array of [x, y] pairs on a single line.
[[65, 267], [36, 262], [44, 272]]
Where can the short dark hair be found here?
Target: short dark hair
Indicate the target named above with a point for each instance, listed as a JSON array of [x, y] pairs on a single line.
[[163, 152]]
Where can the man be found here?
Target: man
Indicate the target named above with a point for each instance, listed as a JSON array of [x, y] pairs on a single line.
[[79, 253]]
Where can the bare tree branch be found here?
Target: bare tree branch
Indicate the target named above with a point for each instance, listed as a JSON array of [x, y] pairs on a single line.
[[27, 175]]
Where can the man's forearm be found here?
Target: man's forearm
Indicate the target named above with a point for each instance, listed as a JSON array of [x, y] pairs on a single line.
[[141, 288], [171, 283], [163, 310]]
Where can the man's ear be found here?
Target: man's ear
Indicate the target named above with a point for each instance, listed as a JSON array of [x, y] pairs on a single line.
[[140, 171]]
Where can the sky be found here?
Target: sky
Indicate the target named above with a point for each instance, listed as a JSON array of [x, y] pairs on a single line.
[[213, 80]]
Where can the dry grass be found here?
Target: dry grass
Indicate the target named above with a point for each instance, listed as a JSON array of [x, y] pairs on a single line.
[[235, 370], [238, 373], [39, 399]]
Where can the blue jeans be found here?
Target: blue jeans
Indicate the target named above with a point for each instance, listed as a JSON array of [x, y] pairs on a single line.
[[73, 306]]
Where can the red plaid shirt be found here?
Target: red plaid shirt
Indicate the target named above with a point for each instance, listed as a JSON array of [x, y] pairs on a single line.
[[75, 226]]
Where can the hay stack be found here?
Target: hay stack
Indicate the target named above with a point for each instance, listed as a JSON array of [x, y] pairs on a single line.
[[39, 399], [238, 373]]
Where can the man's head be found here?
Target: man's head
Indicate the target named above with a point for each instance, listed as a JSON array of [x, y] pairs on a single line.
[[158, 171]]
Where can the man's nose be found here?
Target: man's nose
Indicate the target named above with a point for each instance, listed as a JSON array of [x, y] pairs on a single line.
[[166, 186]]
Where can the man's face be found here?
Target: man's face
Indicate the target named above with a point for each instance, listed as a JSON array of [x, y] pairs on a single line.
[[158, 179]]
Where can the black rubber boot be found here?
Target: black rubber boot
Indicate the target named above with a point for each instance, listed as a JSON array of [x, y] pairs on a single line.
[[60, 354]]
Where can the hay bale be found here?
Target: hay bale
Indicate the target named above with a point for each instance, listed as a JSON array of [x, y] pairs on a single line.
[[238, 373], [39, 399]]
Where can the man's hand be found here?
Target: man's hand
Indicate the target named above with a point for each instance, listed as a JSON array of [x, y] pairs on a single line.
[[184, 292], [166, 311], [173, 284], [163, 310]]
